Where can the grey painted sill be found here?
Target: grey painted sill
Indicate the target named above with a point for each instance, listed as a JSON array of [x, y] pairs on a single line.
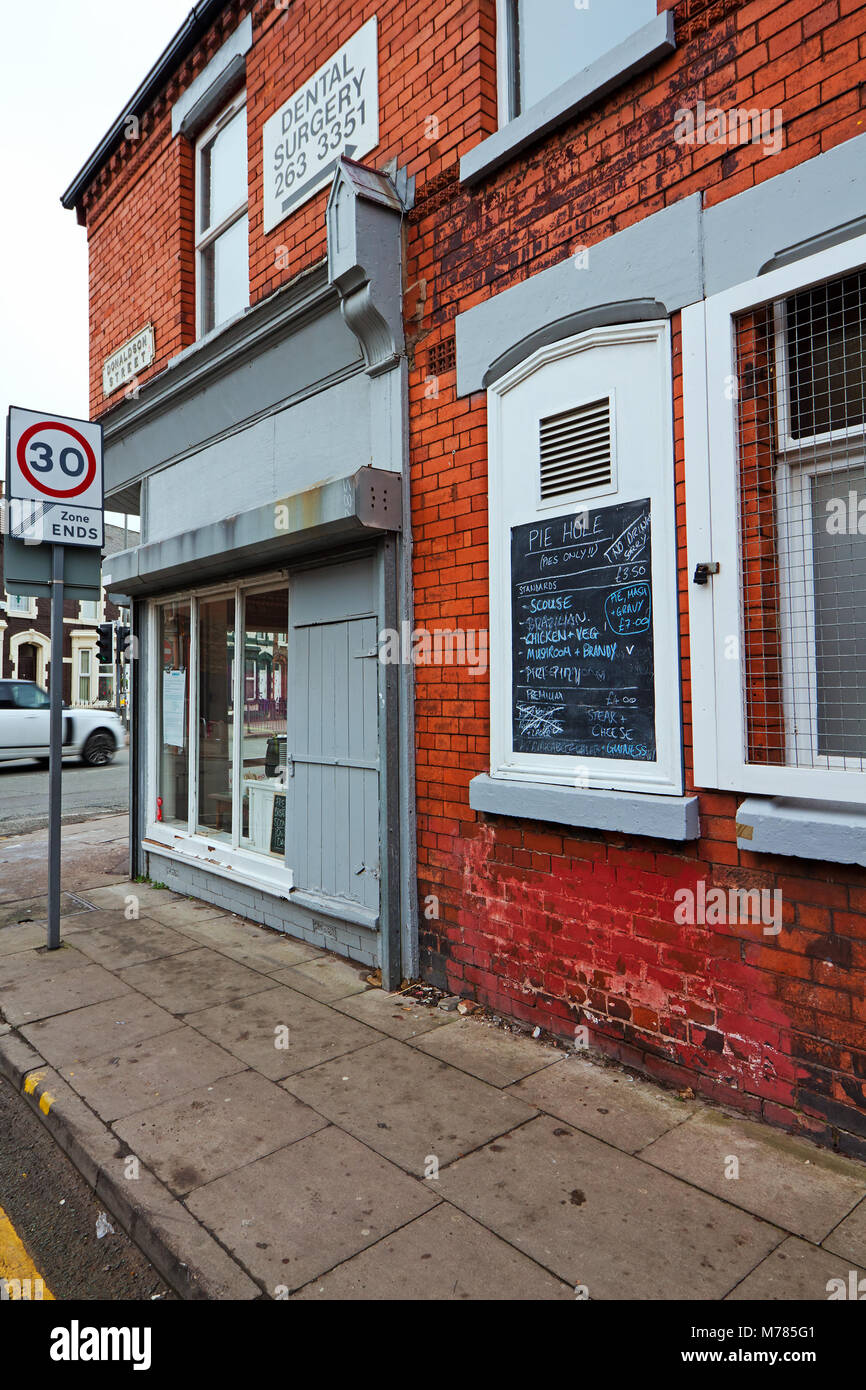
[[640, 51], [629, 813], [830, 830]]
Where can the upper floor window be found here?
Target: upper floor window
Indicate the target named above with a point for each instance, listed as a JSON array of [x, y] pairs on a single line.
[[542, 46], [222, 238], [21, 605], [88, 610]]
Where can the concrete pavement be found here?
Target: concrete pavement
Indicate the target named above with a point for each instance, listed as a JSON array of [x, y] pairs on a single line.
[[265, 1123]]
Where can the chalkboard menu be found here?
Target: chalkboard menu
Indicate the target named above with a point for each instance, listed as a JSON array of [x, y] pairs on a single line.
[[582, 640], [278, 824]]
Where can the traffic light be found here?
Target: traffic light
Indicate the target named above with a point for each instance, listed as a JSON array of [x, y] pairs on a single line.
[[105, 644], [123, 641]]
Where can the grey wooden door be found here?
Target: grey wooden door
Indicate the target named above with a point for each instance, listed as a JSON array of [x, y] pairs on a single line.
[[332, 741]]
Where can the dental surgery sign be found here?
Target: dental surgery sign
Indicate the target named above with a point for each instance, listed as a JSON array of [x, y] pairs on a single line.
[[335, 113]]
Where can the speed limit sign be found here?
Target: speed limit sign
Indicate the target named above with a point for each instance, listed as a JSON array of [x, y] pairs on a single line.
[[54, 478]]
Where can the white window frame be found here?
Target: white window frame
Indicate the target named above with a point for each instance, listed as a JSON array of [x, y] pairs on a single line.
[[508, 62], [185, 843], [712, 523], [90, 617], [205, 239], [27, 612], [664, 775]]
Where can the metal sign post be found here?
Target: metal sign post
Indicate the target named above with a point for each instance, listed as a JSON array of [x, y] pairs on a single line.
[[55, 762], [55, 497]]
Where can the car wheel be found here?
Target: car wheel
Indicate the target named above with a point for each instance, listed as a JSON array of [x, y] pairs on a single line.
[[98, 750]]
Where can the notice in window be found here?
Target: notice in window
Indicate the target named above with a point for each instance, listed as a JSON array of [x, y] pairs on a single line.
[[582, 637], [335, 113], [173, 702]]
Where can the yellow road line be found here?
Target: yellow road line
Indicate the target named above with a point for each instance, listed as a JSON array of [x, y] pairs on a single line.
[[19, 1277]]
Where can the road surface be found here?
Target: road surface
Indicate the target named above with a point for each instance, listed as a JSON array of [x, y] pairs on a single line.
[[54, 1215], [87, 791]]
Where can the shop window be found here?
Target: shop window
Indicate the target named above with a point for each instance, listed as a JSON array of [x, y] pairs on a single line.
[[222, 229], [584, 659], [216, 656], [266, 615], [542, 46], [788, 600], [173, 695]]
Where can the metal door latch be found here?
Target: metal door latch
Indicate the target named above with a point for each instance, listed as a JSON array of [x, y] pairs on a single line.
[[703, 571]]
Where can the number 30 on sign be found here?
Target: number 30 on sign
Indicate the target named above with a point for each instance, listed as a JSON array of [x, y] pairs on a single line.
[[54, 479]]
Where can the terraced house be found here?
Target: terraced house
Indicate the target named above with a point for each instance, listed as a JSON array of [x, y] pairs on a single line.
[[538, 328]]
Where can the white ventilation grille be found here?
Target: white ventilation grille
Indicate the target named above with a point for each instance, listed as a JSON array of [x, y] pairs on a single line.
[[576, 450]]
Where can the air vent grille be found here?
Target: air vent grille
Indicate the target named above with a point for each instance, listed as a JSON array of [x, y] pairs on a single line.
[[576, 450]]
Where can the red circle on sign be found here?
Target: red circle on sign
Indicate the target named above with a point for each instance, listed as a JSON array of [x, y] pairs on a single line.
[[36, 482]]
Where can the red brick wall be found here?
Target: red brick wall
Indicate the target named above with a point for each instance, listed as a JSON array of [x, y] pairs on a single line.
[[432, 63], [562, 929], [556, 929]]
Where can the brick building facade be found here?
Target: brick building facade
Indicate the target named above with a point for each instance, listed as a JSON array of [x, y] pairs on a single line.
[[575, 285]]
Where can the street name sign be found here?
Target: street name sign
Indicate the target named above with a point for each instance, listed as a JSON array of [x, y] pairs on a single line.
[[54, 479], [335, 113]]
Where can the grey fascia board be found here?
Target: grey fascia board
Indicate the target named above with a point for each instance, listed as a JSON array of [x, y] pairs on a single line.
[[192, 107], [746, 234], [659, 258], [832, 831], [627, 813], [641, 50], [333, 512]]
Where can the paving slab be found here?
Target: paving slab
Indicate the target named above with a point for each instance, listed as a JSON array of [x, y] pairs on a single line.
[[37, 997], [130, 943], [98, 1030], [24, 937], [795, 1271], [193, 980], [115, 895], [485, 1051], [216, 1129], [849, 1237], [183, 912], [800, 1187], [407, 1106], [39, 963], [603, 1219], [142, 1074], [248, 943], [327, 978], [393, 1014], [604, 1102], [443, 1255], [295, 1214], [248, 1028], [36, 910]]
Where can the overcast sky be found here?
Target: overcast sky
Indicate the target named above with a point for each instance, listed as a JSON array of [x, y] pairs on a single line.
[[67, 70]]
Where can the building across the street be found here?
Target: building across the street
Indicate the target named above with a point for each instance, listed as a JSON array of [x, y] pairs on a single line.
[[491, 393], [25, 639]]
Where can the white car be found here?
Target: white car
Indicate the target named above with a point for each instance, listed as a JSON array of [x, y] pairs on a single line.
[[94, 735]]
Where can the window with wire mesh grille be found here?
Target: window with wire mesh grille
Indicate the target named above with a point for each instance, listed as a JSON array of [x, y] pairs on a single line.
[[802, 495], [576, 450], [442, 357]]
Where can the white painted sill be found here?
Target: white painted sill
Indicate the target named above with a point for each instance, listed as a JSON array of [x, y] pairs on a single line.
[[629, 813], [834, 831]]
